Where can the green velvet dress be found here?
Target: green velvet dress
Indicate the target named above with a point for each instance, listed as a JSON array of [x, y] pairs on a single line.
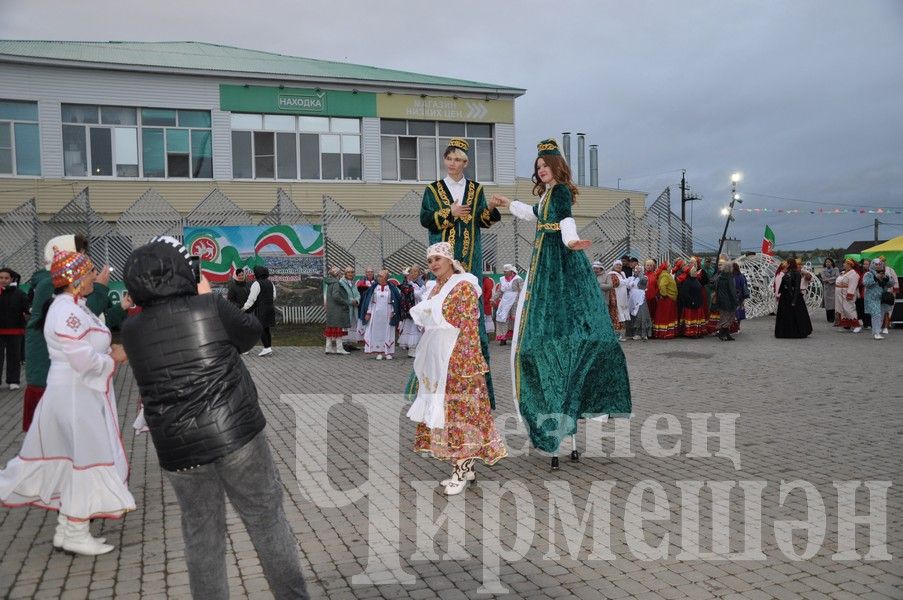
[[566, 360], [463, 234]]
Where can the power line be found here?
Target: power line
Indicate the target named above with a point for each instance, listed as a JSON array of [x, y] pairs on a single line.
[[856, 204], [826, 236]]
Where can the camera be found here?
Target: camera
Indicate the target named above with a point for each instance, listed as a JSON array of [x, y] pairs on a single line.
[[195, 261]]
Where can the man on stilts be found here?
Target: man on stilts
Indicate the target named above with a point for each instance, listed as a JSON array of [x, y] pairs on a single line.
[[454, 210]]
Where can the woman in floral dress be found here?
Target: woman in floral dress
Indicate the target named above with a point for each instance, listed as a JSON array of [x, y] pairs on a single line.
[[452, 406]]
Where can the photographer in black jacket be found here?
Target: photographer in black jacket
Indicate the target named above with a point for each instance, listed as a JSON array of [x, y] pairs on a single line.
[[201, 406]]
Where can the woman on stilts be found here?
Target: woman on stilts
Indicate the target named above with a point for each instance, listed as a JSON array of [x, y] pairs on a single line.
[[567, 363]]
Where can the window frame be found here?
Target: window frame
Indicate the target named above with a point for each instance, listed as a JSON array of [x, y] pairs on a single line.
[[297, 133], [440, 150], [139, 126], [12, 141]]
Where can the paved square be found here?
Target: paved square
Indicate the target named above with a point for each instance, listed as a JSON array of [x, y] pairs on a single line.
[[822, 410]]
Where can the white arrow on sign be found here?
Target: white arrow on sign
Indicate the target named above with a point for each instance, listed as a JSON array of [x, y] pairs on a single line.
[[476, 110]]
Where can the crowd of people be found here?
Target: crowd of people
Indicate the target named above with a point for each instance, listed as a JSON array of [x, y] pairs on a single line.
[[860, 295], [564, 319]]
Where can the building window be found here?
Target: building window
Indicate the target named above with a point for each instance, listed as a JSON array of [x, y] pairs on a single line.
[[289, 147], [412, 150], [104, 141], [20, 144]]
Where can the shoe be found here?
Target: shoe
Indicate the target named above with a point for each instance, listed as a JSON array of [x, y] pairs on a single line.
[[14, 386], [77, 540], [575, 456], [329, 348], [878, 336], [636, 337], [622, 339], [470, 475], [459, 480], [265, 351], [502, 343], [339, 348], [379, 357], [555, 465], [885, 331], [857, 329], [389, 357], [246, 353], [729, 337], [62, 523]]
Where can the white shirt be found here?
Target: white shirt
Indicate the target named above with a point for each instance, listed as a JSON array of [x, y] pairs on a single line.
[[456, 188], [252, 296]]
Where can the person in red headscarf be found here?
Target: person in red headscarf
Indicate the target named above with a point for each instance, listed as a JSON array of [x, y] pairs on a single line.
[[664, 321], [692, 298]]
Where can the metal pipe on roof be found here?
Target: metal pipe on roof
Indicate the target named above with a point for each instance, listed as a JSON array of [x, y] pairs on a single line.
[[594, 165], [566, 146], [581, 162]]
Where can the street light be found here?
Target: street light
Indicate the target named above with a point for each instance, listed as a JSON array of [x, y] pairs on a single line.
[[728, 210]]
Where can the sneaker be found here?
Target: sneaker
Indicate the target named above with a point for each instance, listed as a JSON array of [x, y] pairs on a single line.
[[636, 337], [379, 357], [885, 331], [878, 336], [389, 357], [14, 386], [857, 329], [265, 351]]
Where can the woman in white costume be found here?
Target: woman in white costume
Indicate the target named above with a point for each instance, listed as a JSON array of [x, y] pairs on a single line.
[[622, 296], [506, 294], [380, 312], [72, 460]]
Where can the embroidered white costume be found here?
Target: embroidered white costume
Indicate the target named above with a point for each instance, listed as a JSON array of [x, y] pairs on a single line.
[[72, 459]]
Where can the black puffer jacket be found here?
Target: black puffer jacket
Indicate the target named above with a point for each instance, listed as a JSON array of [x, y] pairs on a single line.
[[184, 349]]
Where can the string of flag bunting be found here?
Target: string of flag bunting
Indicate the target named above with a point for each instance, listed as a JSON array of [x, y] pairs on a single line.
[[822, 211]]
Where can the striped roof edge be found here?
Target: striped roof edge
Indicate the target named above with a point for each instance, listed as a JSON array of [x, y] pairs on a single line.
[[201, 56]]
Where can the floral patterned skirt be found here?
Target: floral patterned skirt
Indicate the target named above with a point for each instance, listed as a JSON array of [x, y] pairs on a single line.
[[469, 428]]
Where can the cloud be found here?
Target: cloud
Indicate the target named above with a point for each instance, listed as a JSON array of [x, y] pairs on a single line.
[[803, 97]]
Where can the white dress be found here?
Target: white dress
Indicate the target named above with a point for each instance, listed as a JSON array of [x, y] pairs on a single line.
[[72, 459], [622, 295], [410, 333], [379, 336], [434, 352], [510, 291]]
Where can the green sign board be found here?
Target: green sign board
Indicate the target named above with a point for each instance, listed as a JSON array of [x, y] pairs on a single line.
[[297, 101]]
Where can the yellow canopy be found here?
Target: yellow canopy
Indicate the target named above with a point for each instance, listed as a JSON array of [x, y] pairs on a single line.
[[892, 245], [892, 250]]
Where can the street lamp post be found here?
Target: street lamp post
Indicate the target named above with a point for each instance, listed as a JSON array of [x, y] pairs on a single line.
[[728, 211]]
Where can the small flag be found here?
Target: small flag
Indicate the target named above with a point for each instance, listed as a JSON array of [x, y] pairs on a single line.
[[768, 242]]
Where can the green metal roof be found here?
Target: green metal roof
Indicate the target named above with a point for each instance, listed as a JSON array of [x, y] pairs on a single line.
[[200, 56]]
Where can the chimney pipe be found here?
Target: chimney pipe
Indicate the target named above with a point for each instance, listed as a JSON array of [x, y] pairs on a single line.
[[566, 146], [594, 165], [581, 159]]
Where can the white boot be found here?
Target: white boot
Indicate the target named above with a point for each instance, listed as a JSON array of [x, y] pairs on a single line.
[[459, 479], [78, 540], [339, 348], [62, 523], [329, 349]]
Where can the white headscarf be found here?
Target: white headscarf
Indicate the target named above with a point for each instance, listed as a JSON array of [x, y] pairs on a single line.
[[444, 249]]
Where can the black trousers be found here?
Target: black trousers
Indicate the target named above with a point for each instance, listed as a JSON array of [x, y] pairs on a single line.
[[11, 349], [265, 338], [829, 312]]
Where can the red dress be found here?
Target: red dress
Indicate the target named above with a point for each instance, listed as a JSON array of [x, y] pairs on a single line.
[[664, 321], [469, 428], [694, 322]]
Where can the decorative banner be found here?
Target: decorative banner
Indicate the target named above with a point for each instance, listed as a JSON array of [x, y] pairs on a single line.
[[288, 251], [822, 211]]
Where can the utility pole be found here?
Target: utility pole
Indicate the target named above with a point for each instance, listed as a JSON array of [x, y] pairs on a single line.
[[877, 222], [685, 197]]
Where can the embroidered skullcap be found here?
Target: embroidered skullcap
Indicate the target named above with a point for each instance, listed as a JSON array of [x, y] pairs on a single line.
[[68, 268], [617, 263], [444, 250], [459, 143], [597, 264], [548, 147], [508, 267]]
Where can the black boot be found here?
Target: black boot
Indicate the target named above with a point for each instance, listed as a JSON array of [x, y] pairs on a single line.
[[722, 333], [728, 336], [575, 456], [555, 466]]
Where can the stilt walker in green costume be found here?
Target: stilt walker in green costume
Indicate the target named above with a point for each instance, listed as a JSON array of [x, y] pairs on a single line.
[[454, 210], [566, 360]]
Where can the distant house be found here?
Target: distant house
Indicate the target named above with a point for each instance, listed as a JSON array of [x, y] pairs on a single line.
[[857, 247]]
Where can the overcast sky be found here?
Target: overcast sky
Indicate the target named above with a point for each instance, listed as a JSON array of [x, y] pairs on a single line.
[[804, 97]]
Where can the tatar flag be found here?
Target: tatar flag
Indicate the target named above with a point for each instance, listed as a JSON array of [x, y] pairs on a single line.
[[768, 242]]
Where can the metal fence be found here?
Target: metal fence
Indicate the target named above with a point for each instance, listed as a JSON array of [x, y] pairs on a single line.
[[399, 241]]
